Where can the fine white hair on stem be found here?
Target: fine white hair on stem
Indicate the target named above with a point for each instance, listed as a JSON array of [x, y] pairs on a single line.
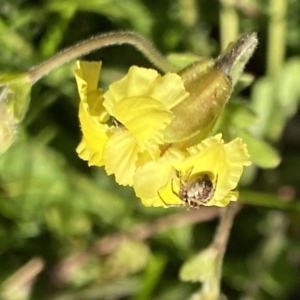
[[101, 41]]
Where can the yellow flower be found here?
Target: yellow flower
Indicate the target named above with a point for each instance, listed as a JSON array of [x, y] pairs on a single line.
[[205, 174], [141, 104], [92, 114]]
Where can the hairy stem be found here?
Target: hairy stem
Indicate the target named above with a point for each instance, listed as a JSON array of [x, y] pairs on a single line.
[[211, 284], [220, 244], [222, 234], [101, 41]]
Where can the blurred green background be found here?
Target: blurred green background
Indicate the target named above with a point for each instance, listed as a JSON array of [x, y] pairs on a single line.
[[68, 231]]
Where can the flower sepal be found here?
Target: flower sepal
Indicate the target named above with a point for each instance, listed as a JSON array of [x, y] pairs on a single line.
[[209, 90], [209, 83]]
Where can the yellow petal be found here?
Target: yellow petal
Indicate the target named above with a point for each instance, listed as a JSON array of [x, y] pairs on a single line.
[[153, 176], [120, 156], [231, 196], [152, 202], [95, 136], [87, 77], [169, 90], [91, 113], [205, 144], [168, 193], [223, 163], [145, 118], [86, 153], [136, 83], [229, 175], [206, 157], [141, 82]]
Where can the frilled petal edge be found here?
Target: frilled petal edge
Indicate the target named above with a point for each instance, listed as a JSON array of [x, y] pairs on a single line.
[[91, 113], [222, 162], [120, 156]]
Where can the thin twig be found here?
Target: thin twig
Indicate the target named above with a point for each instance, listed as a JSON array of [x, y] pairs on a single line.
[[223, 231], [22, 280]]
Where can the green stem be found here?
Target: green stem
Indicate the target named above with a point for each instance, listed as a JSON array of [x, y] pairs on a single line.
[[220, 244], [188, 13], [211, 289], [101, 41], [222, 234], [276, 36], [229, 22]]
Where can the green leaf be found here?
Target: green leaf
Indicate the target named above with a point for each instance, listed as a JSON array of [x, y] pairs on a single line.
[[244, 81], [237, 114], [262, 103], [240, 114], [286, 93], [15, 49], [288, 85], [275, 100], [182, 60], [113, 9], [261, 153], [42, 188], [202, 267], [153, 274]]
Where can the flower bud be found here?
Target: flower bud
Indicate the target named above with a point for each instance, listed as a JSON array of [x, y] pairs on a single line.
[[210, 85], [209, 90]]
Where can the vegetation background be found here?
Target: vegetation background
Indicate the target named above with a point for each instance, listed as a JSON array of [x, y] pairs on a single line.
[[69, 232]]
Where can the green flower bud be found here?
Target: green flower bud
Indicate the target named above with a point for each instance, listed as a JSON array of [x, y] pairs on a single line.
[[209, 90], [210, 84]]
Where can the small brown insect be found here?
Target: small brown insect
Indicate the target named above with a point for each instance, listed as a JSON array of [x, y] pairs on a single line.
[[193, 192]]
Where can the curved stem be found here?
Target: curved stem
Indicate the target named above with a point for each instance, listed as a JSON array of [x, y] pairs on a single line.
[[101, 41]]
